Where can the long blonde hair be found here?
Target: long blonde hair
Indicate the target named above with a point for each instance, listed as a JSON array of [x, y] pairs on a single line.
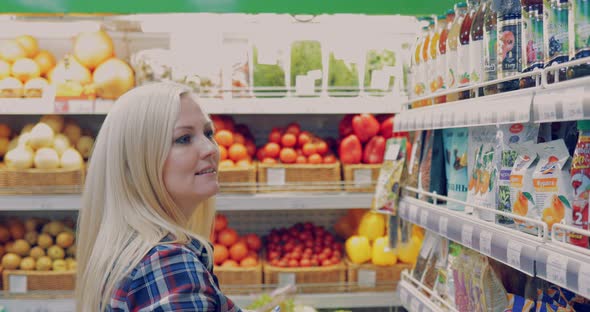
[[126, 209]]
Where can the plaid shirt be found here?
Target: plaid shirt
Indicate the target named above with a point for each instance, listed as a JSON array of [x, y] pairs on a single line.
[[172, 277]]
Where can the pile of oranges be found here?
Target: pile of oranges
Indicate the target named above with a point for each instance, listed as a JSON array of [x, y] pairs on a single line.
[[236, 143], [231, 250]]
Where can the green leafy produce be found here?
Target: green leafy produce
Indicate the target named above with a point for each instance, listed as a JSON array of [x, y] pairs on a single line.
[[377, 60], [286, 306], [268, 75], [305, 57], [343, 77]]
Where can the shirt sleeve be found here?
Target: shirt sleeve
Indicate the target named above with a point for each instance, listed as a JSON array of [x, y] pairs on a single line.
[[173, 279]]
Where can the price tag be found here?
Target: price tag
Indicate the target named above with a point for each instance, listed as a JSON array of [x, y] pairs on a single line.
[[415, 305], [513, 253], [413, 214], [286, 279], [485, 242], [573, 104], [584, 280], [392, 152], [424, 218], [557, 269], [546, 107], [362, 177], [447, 119], [18, 284], [443, 224], [275, 176], [467, 235], [473, 119], [367, 278]]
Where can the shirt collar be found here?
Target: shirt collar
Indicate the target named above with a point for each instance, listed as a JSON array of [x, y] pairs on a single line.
[[197, 247]]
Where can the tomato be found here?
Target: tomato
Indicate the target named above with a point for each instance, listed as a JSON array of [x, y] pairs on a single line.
[[269, 161], [303, 138], [296, 255], [220, 222], [301, 159], [322, 257], [374, 150], [283, 263], [327, 251], [315, 159], [289, 140], [288, 155], [314, 262], [217, 123], [274, 262], [345, 126], [293, 128], [337, 254], [253, 242], [227, 237], [298, 248], [275, 136], [335, 260], [365, 126], [307, 251], [308, 244], [293, 263], [317, 249], [305, 263], [330, 159], [350, 150], [289, 247], [326, 262], [321, 148], [251, 147], [386, 129]]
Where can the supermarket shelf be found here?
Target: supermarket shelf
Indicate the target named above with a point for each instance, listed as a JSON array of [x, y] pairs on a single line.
[[225, 202], [337, 300], [412, 297], [509, 246], [34, 305]]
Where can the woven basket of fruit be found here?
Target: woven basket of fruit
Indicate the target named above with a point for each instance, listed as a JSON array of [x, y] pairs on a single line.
[[360, 178], [38, 280], [240, 279], [322, 279], [40, 181], [299, 177], [371, 277], [238, 179]]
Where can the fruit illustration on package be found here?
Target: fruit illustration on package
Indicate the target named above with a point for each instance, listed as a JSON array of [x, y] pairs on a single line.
[[507, 43]]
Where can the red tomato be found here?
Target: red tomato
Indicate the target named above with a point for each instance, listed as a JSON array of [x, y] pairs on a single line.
[[293, 263], [305, 263], [253, 242], [275, 136], [386, 129], [327, 262], [315, 262], [345, 126], [330, 159], [283, 263], [301, 159], [350, 150], [220, 222], [272, 150], [293, 128], [289, 140], [374, 150], [315, 159], [321, 148], [365, 126], [304, 137], [309, 149]]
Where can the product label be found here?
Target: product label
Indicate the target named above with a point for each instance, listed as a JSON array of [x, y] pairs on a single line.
[[556, 27], [419, 86], [452, 63], [455, 143], [582, 27], [532, 24], [521, 186], [463, 64], [509, 48], [476, 60], [580, 182], [441, 68], [490, 54]]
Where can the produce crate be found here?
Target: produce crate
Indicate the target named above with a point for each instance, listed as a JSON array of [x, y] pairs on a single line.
[[299, 178], [361, 178], [41, 181], [38, 280], [240, 281], [329, 279], [371, 277], [238, 179]]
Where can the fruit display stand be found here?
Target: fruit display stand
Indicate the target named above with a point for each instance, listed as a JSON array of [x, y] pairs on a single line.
[[371, 277], [238, 179], [41, 181], [328, 279], [240, 280], [360, 178], [21, 281], [299, 177]]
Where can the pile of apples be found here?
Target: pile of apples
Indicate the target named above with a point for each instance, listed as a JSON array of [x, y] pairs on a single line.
[[51, 143], [236, 143], [231, 250], [291, 145], [302, 245], [38, 245]]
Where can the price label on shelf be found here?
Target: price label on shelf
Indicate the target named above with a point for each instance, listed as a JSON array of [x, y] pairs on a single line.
[[473, 119], [424, 218], [286, 279], [362, 177], [467, 235], [443, 224], [546, 107], [513, 253], [485, 242], [573, 104], [557, 268], [18, 284], [415, 305], [584, 279], [367, 278], [413, 214], [275, 176]]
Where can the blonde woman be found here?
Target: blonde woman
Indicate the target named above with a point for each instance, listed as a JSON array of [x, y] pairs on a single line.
[[153, 168]]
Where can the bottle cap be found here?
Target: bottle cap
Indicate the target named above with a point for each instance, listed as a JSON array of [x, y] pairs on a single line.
[[462, 5]]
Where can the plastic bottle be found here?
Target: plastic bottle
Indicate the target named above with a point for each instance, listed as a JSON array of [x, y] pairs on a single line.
[[418, 76], [556, 36], [579, 36], [464, 50], [452, 50], [490, 53], [476, 47], [436, 76], [532, 34], [441, 59], [509, 44], [428, 64], [580, 173]]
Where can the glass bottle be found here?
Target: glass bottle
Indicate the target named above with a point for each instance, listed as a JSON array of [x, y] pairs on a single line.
[[441, 59], [556, 37], [509, 44], [532, 40], [452, 50], [579, 35], [476, 48], [464, 50], [490, 53]]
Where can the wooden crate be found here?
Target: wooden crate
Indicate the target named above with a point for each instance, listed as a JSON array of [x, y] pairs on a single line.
[[238, 179], [299, 178], [361, 178], [41, 181], [40, 280], [330, 279], [240, 281], [371, 277]]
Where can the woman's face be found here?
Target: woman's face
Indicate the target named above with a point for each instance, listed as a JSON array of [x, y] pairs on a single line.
[[190, 170]]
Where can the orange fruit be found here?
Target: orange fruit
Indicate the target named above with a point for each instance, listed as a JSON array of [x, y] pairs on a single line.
[[315, 159], [244, 163], [227, 237], [220, 222], [330, 159], [224, 138], [288, 155], [229, 263], [301, 159], [272, 150], [293, 128], [238, 152], [220, 254], [321, 148], [268, 160], [222, 152], [249, 262], [289, 140], [251, 147], [228, 163], [239, 138], [304, 137], [253, 241], [238, 251], [275, 136], [309, 149]]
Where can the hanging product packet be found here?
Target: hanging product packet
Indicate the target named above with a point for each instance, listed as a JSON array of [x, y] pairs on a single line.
[[482, 166], [427, 248], [522, 190], [414, 162], [389, 182], [510, 134], [494, 293], [432, 166], [553, 191], [455, 145], [580, 180]]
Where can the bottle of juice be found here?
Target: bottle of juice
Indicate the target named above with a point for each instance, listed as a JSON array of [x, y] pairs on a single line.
[[436, 76], [464, 52], [441, 59], [579, 36], [556, 36], [427, 60], [490, 53], [418, 86], [509, 43], [532, 34], [476, 48], [580, 173], [453, 50]]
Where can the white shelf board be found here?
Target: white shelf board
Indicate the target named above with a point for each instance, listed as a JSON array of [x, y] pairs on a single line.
[[225, 202], [336, 300], [565, 101]]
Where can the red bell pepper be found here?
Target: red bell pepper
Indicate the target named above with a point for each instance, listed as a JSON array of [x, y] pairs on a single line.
[[345, 126], [351, 150], [365, 126], [374, 150], [387, 128]]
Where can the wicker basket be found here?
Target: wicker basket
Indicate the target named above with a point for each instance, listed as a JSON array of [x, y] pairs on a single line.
[[330, 279], [238, 179], [299, 178], [41, 181], [361, 178], [240, 281], [41, 280], [371, 277]]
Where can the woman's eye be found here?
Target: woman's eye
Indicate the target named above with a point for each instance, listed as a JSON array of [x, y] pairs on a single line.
[[210, 134], [185, 139]]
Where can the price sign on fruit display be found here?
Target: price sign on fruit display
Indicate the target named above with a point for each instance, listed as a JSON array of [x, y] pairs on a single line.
[[286, 279], [18, 284], [367, 278], [275, 176]]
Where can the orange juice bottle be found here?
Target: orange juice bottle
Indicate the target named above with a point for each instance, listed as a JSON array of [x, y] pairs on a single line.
[[427, 60], [441, 59], [418, 85], [452, 50], [436, 76]]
